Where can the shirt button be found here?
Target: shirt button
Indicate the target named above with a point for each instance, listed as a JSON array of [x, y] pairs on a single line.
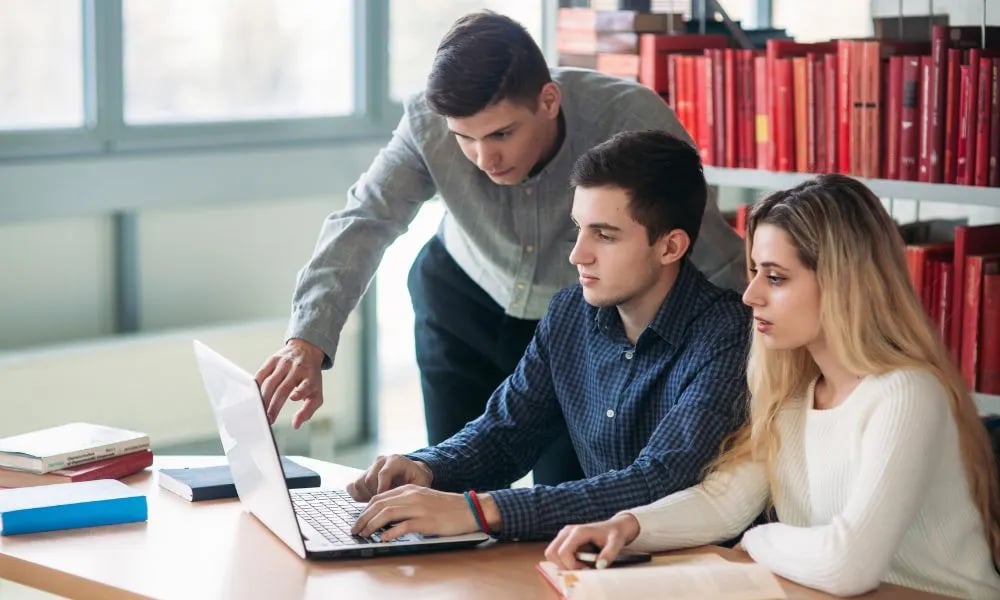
[[529, 249], [610, 413], [628, 355], [527, 192], [520, 286]]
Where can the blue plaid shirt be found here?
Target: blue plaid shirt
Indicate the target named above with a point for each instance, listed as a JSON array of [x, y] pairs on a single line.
[[644, 419]]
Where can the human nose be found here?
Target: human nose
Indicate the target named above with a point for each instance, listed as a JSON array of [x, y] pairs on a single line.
[[753, 295], [579, 255], [486, 157]]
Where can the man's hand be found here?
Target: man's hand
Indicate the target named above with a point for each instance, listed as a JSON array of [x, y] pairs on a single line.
[[413, 508], [292, 373], [388, 472], [610, 536]]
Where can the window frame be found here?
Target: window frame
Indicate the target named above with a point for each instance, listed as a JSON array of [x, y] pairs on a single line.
[[104, 131]]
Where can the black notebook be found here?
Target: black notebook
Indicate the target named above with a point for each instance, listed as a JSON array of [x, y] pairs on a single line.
[[212, 483]]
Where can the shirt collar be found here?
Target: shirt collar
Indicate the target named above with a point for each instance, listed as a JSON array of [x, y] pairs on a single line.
[[679, 308]]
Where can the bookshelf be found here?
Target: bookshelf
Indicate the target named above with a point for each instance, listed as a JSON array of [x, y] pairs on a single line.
[[886, 188], [987, 403]]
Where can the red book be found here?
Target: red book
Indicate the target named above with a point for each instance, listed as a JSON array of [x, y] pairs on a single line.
[[688, 94], [966, 120], [729, 135], [784, 110], [919, 259], [982, 129], [830, 100], [894, 106], [800, 111], [718, 89], [857, 94], [989, 333], [763, 133], [964, 126], [818, 118], [976, 266], [672, 76], [952, 102], [109, 468], [872, 107], [924, 110], [747, 158], [845, 54], [994, 160], [909, 114], [939, 65], [655, 48], [742, 218], [946, 272], [969, 239], [704, 109]]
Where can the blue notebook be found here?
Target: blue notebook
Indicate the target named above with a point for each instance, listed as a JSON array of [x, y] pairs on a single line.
[[212, 483], [69, 505]]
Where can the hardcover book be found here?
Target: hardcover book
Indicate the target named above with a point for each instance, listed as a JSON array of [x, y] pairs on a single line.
[[66, 446], [69, 506], [212, 483], [109, 468]]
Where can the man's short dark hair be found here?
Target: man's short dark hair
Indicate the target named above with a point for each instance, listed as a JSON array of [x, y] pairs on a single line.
[[485, 58], [661, 174]]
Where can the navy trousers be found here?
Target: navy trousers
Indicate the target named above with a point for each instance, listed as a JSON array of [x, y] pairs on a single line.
[[466, 346]]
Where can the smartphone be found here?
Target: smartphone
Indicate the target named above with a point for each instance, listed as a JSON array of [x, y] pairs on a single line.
[[588, 555]]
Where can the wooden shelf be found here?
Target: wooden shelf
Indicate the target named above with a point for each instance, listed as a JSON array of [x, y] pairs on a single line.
[[886, 188], [987, 404]]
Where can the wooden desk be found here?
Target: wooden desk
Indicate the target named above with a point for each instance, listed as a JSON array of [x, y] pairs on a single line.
[[215, 550]]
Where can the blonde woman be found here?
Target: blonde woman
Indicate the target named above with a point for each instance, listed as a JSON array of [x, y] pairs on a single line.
[[861, 435]]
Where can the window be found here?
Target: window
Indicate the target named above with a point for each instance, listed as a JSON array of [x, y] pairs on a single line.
[[41, 64], [416, 27], [218, 60]]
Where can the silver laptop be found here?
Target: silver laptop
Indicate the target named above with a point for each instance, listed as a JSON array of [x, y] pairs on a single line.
[[313, 522]]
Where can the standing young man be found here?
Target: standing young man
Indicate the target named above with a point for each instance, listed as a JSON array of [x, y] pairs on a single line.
[[643, 361], [495, 135]]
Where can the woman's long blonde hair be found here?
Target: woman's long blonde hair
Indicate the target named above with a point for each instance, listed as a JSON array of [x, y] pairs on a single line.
[[872, 321]]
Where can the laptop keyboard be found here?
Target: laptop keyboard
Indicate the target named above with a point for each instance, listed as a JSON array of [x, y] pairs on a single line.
[[332, 513]]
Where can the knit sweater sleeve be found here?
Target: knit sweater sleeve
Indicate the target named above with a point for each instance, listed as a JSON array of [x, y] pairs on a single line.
[[717, 509], [852, 553]]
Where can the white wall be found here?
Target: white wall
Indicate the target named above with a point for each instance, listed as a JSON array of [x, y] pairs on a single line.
[[55, 281]]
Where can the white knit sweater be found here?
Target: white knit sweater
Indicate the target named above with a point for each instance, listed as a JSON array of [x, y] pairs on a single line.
[[871, 490]]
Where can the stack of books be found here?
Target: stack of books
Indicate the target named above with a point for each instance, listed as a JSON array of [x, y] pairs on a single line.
[[608, 40], [73, 452]]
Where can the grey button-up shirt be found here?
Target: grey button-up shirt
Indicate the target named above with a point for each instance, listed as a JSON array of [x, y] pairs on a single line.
[[513, 241]]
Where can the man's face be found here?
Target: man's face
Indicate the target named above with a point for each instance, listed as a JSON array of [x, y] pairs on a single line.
[[616, 263], [506, 140]]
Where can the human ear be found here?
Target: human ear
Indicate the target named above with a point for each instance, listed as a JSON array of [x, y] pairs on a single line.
[[673, 246], [550, 99]]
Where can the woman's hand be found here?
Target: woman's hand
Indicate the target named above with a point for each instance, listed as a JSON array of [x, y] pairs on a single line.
[[610, 536]]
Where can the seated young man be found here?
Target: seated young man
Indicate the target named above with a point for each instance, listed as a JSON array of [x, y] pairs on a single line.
[[643, 362]]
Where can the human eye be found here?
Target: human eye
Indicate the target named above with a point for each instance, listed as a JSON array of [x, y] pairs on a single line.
[[501, 135], [775, 280], [604, 237]]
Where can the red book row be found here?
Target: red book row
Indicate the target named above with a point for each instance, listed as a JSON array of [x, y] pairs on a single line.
[[870, 108]]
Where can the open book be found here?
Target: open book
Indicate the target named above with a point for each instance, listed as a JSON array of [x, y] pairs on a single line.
[[679, 577]]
